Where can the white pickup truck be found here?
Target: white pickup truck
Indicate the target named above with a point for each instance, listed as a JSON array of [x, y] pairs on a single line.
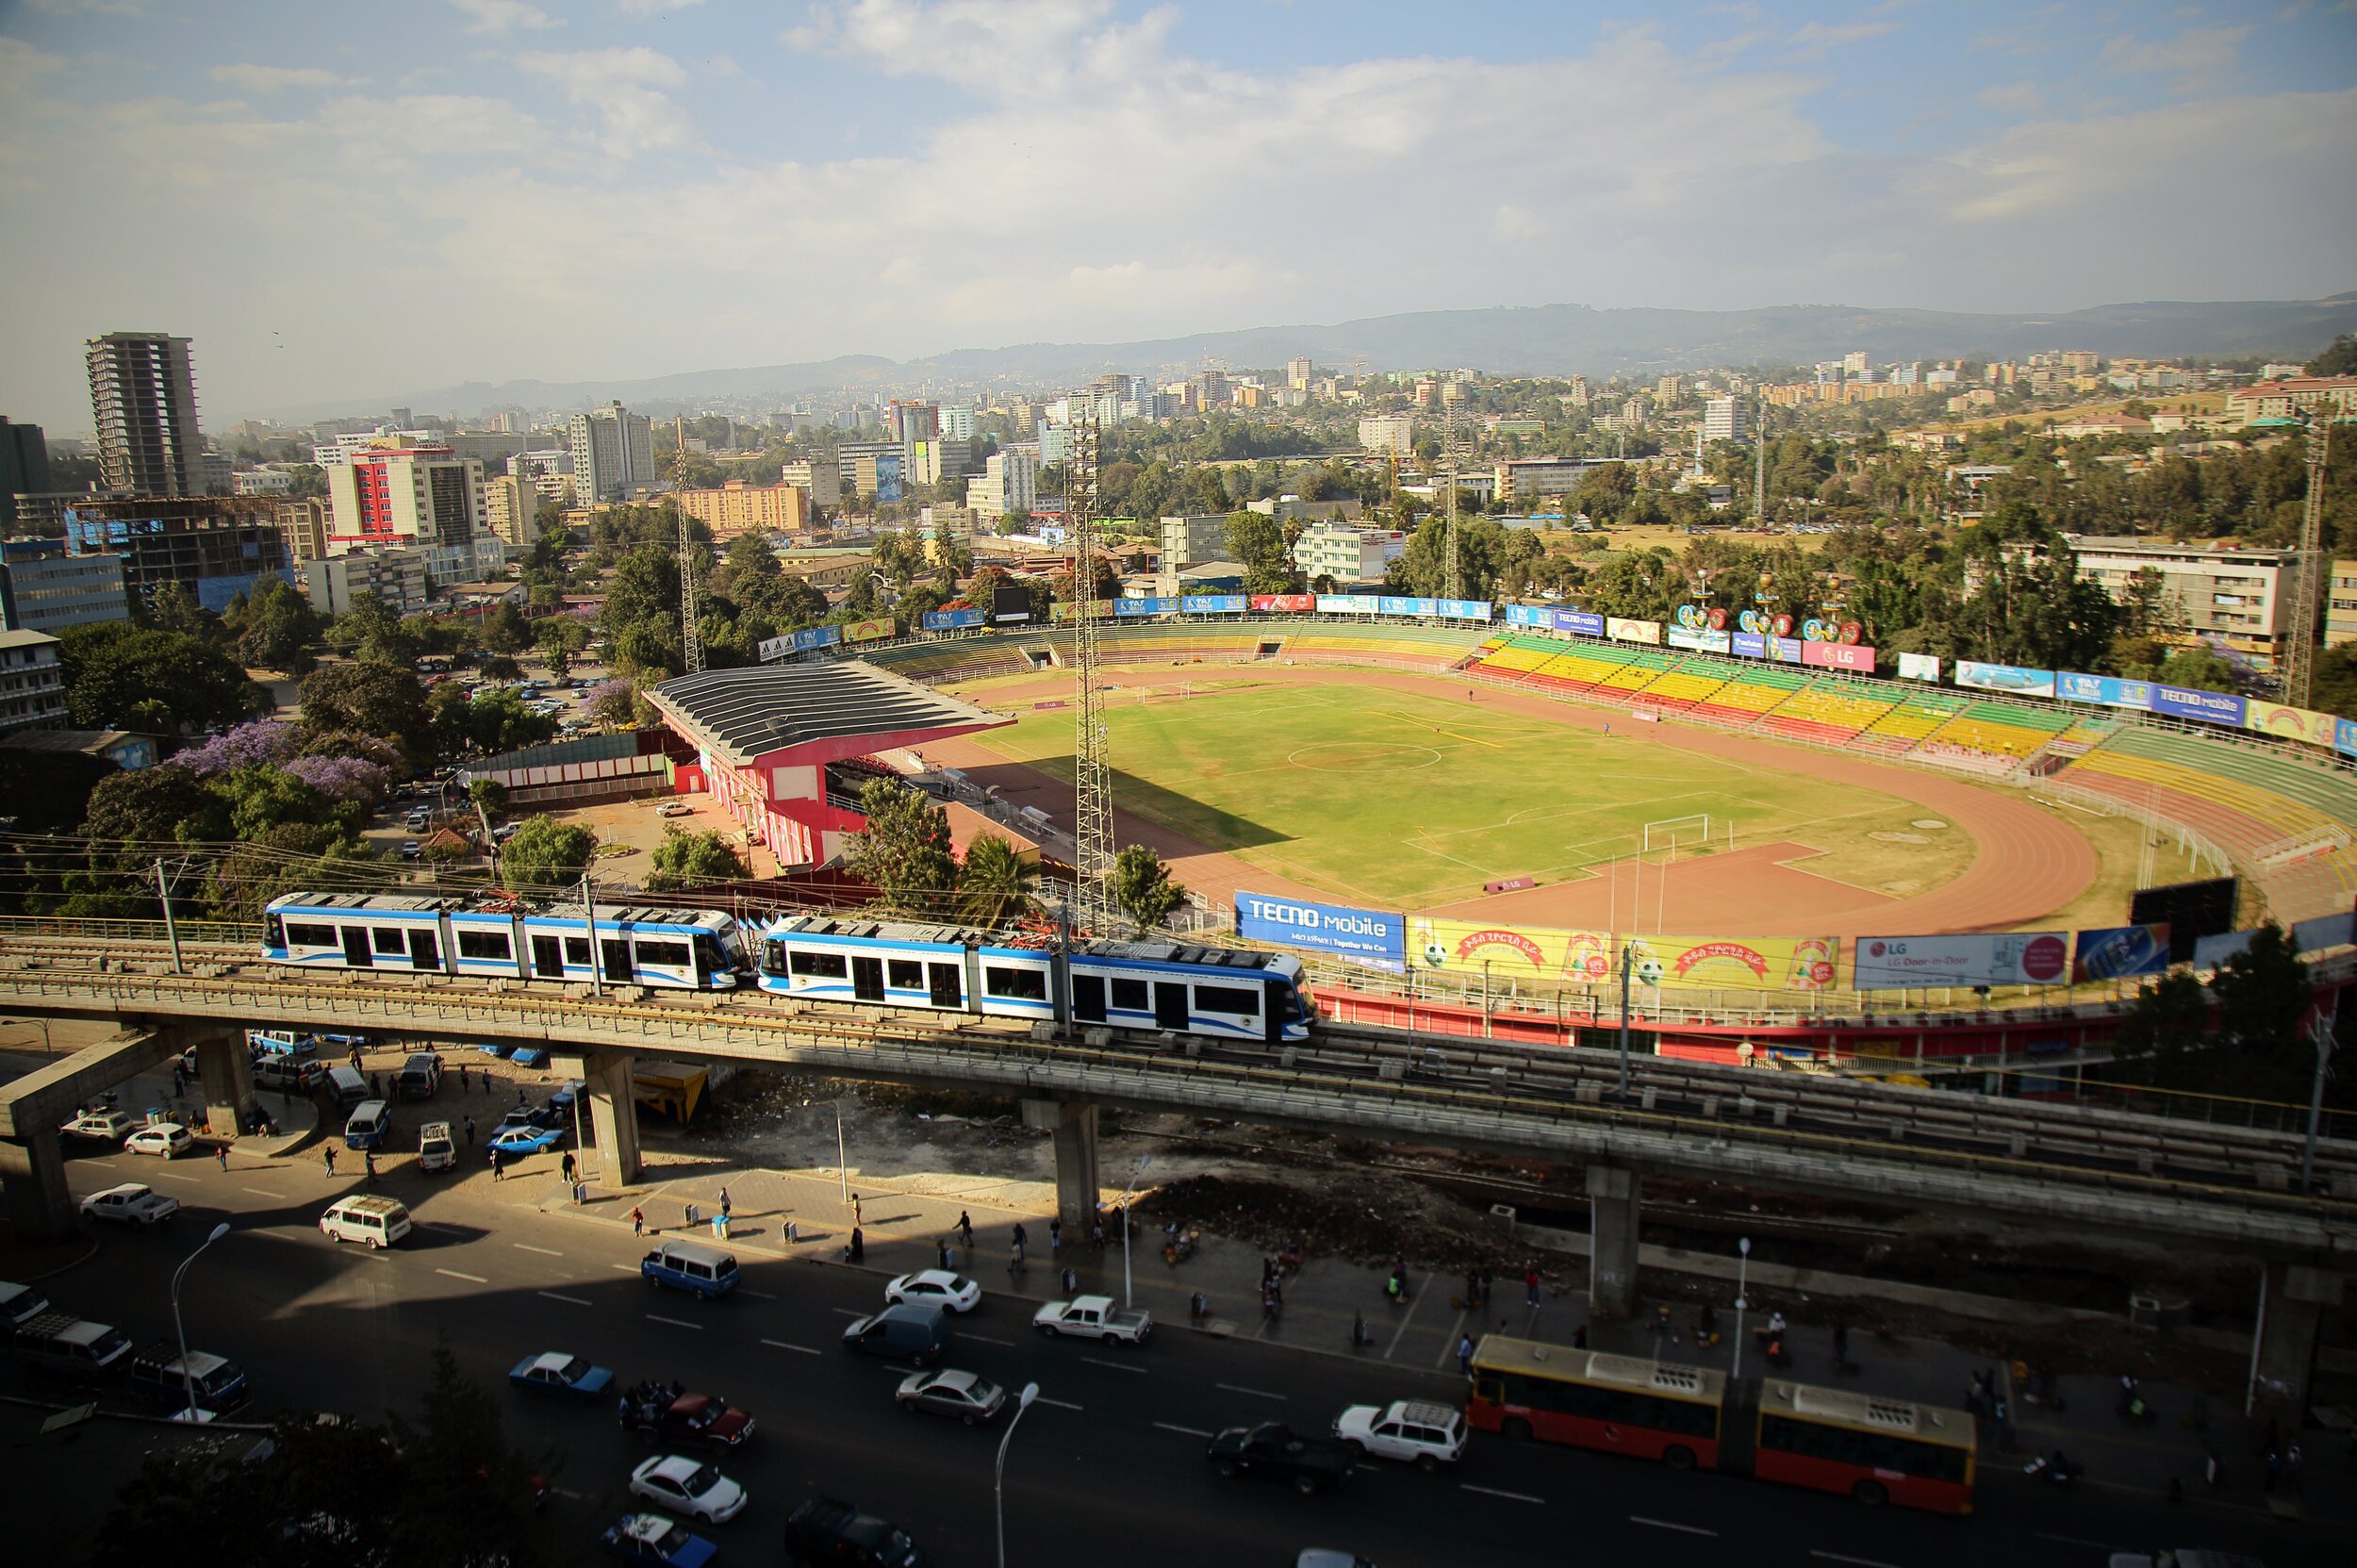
[[1093, 1317], [99, 1126], [131, 1204]]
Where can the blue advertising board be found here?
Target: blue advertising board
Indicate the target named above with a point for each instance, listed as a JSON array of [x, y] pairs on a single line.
[[2118, 952], [1388, 605], [1580, 620], [1750, 645], [2344, 736], [1785, 649], [2109, 690], [1375, 938], [2209, 707], [2005, 677], [1468, 610], [1529, 615], [945, 621], [817, 637], [1215, 603], [1147, 607]]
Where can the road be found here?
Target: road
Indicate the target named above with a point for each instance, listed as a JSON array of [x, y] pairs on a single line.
[[1107, 1467]]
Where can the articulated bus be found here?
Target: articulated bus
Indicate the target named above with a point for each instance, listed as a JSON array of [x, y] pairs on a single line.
[[1694, 1418]]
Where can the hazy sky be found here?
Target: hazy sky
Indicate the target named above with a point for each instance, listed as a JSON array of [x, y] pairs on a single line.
[[342, 201]]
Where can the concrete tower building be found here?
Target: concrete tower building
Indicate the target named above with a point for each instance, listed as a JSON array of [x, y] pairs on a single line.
[[143, 394]]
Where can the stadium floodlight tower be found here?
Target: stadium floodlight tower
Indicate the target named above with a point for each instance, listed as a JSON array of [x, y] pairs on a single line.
[[1453, 583], [1092, 777], [2310, 567], [691, 642]]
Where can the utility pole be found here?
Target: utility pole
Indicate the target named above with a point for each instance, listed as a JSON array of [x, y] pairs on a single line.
[[2299, 663], [1628, 958], [1092, 775], [691, 642], [171, 929], [589, 922]]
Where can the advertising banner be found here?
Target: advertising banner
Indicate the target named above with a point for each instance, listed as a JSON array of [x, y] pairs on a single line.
[[2273, 719], [945, 620], [2211, 951], [2116, 952], [2209, 707], [1213, 603], [1785, 650], [799, 642], [773, 648], [2009, 958], [868, 631], [2005, 677], [2109, 690], [1749, 645], [2325, 930], [1701, 642], [1580, 620], [1529, 615], [1345, 603], [2344, 736], [1753, 962], [1146, 606], [1061, 611], [1839, 655], [1632, 631], [1537, 953], [1289, 602], [1467, 609], [1919, 667], [1388, 605], [1374, 937]]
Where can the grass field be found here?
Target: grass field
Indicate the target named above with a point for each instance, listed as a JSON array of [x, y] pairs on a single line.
[[1404, 801]]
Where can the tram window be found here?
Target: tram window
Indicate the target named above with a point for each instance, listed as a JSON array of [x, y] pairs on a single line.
[[392, 941], [904, 975], [1020, 984], [819, 965], [311, 936], [483, 944], [1227, 998], [577, 951], [673, 954], [1129, 995]]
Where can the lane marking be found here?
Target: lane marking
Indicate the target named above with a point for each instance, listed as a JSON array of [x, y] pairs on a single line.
[[849, 1311], [758, 1295], [257, 1192], [1510, 1497], [440, 1225], [568, 1300], [542, 1251], [1448, 1344], [1414, 1302], [1256, 1393], [1059, 1404], [783, 1346], [1858, 1562], [1665, 1524], [674, 1322], [1183, 1432], [471, 1278], [985, 1338], [2074, 1541], [623, 1268], [1117, 1367]]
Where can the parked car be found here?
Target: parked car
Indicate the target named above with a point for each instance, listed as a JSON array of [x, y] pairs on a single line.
[[131, 1204], [557, 1373], [513, 1143], [20, 1305], [411, 848], [1417, 1432], [964, 1396], [531, 1116], [98, 1127], [652, 1410], [651, 1541], [165, 1138], [828, 1529], [1274, 1452], [935, 1287], [688, 1486], [674, 808]]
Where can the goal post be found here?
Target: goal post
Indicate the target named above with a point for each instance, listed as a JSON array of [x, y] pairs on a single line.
[[1686, 829]]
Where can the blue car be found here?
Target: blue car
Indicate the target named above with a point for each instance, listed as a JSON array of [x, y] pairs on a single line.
[[516, 1142], [529, 1056], [494, 1051], [560, 1374], [658, 1542]]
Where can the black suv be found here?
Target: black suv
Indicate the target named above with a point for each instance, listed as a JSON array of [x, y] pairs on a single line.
[[826, 1529]]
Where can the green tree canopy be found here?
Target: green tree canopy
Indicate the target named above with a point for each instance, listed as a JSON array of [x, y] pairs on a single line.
[[505, 630], [148, 807], [995, 886], [694, 859], [904, 852], [1141, 887], [119, 676], [546, 852], [278, 628], [373, 697]]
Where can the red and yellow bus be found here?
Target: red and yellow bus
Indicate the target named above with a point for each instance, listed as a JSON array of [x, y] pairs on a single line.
[[1694, 1418]]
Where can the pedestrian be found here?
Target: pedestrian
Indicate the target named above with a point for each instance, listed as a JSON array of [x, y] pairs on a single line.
[[1530, 1283], [1473, 1287], [330, 1153], [179, 1080], [520, 1096], [1097, 1235], [2293, 1459], [942, 1247], [1579, 1337], [725, 1206], [499, 1171], [565, 1165], [1022, 1240], [856, 1221], [469, 1132], [376, 1084], [1841, 1343], [1464, 1354], [965, 1230], [1488, 1279], [2275, 1469], [1607, 729], [220, 1152], [637, 1220], [368, 1159], [1055, 1235]]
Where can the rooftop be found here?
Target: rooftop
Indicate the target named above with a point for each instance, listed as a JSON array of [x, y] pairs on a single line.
[[836, 709]]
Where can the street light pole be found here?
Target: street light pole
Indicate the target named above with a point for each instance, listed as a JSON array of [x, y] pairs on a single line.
[[1144, 1161], [1628, 957], [841, 1161], [2323, 1028], [1743, 1273], [999, 1478], [188, 1377]]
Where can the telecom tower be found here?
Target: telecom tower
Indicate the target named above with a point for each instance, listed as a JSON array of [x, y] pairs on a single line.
[[2299, 663], [1091, 779], [1453, 583], [691, 642]]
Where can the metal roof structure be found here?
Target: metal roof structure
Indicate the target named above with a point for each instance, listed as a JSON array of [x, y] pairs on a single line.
[[819, 712]]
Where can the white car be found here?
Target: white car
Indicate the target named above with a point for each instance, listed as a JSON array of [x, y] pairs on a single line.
[[935, 1287], [688, 1486], [165, 1138], [674, 808], [98, 1127], [1415, 1431], [132, 1204]]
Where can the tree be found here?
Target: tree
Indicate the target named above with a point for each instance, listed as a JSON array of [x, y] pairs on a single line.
[[1142, 888], [614, 702], [119, 676], [562, 638], [173, 608], [490, 795], [137, 811], [490, 721], [501, 667], [1258, 541], [2196, 670], [482, 1489], [693, 859], [505, 630], [545, 852], [2333, 688], [2264, 993], [279, 627], [50, 791], [373, 697], [995, 886], [2340, 359], [904, 852]]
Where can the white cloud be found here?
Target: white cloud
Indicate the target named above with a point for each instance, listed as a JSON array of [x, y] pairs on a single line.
[[1813, 41], [643, 8], [619, 87], [2196, 55], [503, 16], [273, 78], [2016, 98]]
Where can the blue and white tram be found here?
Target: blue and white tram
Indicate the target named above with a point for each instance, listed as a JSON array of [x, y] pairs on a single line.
[[1164, 986], [402, 934]]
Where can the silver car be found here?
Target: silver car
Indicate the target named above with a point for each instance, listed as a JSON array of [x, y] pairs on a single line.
[[967, 1395]]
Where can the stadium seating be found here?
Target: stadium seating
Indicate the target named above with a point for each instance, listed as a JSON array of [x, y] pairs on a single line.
[[1677, 690], [1829, 711], [1635, 674], [1512, 658], [1910, 718], [1751, 692], [1583, 667], [1993, 738]]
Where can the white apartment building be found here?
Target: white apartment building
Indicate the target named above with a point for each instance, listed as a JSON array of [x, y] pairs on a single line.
[[1524, 478], [1388, 432], [2207, 590], [613, 452], [1009, 483], [1345, 553], [1724, 419], [396, 574], [508, 506], [32, 685], [415, 495]]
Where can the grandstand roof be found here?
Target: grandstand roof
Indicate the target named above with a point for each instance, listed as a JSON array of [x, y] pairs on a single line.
[[811, 713]]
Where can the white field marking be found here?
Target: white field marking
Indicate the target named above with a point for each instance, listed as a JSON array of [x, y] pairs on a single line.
[[1665, 1524], [542, 1251], [1183, 1432], [1117, 1367], [471, 1278], [568, 1300], [674, 1322], [1494, 1492], [783, 1346]]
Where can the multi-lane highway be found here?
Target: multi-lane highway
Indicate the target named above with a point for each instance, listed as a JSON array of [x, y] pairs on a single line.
[[1108, 1468]]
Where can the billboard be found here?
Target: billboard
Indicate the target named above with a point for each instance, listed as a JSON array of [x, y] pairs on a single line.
[[2116, 952], [868, 631], [799, 642], [2207, 707], [1390, 605], [1009, 604], [2008, 958], [2005, 677], [1748, 645], [2344, 736], [1061, 611], [1345, 603], [1919, 667], [1580, 621], [1701, 642], [1287, 602], [1753, 963], [1468, 610], [1839, 655], [2211, 951], [1529, 615], [1376, 938], [1538, 953], [948, 620], [2109, 690], [2190, 909], [2325, 930], [1632, 631], [1785, 650], [1213, 603], [2273, 719], [1146, 606]]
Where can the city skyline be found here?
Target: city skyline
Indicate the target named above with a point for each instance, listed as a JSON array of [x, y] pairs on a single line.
[[500, 190]]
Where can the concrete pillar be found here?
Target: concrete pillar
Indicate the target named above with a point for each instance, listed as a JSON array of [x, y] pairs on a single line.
[[613, 1117], [1077, 1187], [1612, 1226], [224, 1075], [38, 1204], [2293, 1300]]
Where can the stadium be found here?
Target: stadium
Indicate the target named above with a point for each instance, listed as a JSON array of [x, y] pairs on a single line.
[[1532, 801]]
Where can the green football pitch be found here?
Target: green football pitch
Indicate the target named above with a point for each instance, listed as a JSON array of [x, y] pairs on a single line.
[[1408, 802]]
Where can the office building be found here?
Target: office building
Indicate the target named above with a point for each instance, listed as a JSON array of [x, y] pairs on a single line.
[[548, 473], [1347, 554], [956, 420], [261, 481], [871, 469], [936, 461], [1388, 432], [397, 574], [1724, 419], [508, 506], [2286, 399], [821, 480], [2224, 593], [1008, 484], [32, 687], [303, 526], [2340, 605], [217, 547], [738, 507], [410, 494], [44, 589], [1299, 371], [143, 394], [24, 467], [1525, 479], [1197, 538], [613, 452]]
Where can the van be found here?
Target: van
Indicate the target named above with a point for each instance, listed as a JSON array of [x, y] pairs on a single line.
[[349, 1087], [64, 1346], [907, 1333], [419, 1075], [371, 1221], [281, 1041], [706, 1271], [288, 1074], [211, 1382], [435, 1150], [19, 1304], [369, 1123]]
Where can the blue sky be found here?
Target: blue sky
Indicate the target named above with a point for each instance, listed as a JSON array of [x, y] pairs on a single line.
[[339, 201]]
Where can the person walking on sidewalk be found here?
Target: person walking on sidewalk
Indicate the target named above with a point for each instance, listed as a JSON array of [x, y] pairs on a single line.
[[330, 1153], [220, 1152], [499, 1171], [637, 1220], [1055, 1236], [368, 1160], [565, 1165], [856, 1221], [469, 1121], [1021, 1240], [1530, 1283], [965, 1230], [1464, 1354], [462, 1078], [725, 1207]]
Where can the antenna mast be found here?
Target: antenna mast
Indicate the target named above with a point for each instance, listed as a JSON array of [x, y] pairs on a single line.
[[1092, 777], [691, 642]]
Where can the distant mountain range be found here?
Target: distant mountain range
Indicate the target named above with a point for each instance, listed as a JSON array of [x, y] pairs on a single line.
[[1552, 339]]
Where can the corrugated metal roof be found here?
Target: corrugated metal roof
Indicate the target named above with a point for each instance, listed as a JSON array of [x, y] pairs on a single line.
[[743, 714]]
